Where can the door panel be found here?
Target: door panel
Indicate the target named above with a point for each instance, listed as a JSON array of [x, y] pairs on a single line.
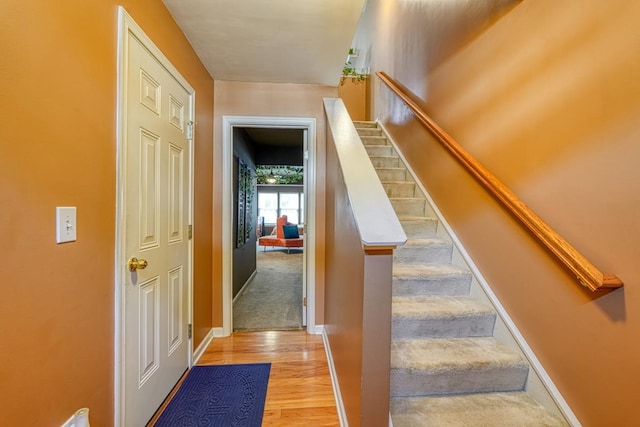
[[176, 304], [149, 350], [176, 194], [148, 184]]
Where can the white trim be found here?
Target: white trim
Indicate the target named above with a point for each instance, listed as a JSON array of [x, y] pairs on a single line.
[[69, 422], [342, 413], [228, 123], [541, 387], [218, 332], [203, 347], [318, 330], [244, 287], [126, 26]]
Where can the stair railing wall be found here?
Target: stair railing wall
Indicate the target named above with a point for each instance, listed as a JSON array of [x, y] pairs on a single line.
[[362, 230], [588, 275]]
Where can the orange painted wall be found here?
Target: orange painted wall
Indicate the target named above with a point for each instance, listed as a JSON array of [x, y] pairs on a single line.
[[58, 90], [546, 95], [278, 100], [355, 96]]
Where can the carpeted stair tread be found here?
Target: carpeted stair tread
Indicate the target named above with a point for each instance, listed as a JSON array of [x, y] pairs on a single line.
[[437, 306], [404, 199], [428, 251], [425, 241], [400, 189], [430, 367], [416, 218], [448, 354], [410, 206], [411, 219], [386, 162], [515, 409], [392, 174], [411, 183], [441, 317], [359, 124], [415, 199], [373, 140], [380, 150], [430, 279], [419, 226], [427, 270], [369, 131]]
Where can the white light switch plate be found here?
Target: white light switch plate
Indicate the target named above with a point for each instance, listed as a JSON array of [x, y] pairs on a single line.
[[65, 224]]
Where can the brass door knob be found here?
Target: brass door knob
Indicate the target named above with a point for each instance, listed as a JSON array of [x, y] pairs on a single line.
[[135, 264]]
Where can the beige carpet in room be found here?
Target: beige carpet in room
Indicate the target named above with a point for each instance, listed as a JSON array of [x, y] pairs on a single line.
[[273, 299]]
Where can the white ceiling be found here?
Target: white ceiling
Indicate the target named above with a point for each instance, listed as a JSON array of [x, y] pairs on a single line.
[[277, 41]]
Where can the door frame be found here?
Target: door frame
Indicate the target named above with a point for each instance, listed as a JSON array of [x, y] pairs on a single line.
[[308, 125], [126, 26]]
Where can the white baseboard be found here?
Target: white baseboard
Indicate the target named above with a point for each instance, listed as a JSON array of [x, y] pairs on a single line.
[[197, 354], [318, 330], [218, 332], [342, 414], [539, 383]]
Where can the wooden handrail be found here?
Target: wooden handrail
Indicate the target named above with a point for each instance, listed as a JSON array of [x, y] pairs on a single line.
[[588, 275]]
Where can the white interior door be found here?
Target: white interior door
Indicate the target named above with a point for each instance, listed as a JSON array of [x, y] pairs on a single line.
[[156, 188]]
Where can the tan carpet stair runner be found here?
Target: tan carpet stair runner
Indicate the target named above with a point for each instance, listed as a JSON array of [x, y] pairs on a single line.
[[447, 369]]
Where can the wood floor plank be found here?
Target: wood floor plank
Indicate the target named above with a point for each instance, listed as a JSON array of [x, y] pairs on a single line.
[[299, 392], [303, 417]]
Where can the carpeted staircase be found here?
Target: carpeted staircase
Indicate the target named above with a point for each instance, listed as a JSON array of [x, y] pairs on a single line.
[[447, 369]]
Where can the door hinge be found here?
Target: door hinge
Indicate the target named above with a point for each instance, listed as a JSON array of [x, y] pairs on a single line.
[[190, 129], [306, 154], [190, 232], [189, 330], [304, 301]]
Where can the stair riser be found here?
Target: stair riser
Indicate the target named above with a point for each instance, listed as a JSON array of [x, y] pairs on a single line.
[[480, 325], [432, 254], [406, 382], [369, 132], [420, 229], [379, 150], [385, 162], [453, 285], [392, 174], [409, 207], [373, 140], [404, 189]]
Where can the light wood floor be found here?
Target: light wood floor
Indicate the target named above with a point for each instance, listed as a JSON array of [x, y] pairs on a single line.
[[299, 391]]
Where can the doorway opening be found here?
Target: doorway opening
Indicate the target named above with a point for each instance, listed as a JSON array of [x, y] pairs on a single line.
[[268, 186], [269, 141]]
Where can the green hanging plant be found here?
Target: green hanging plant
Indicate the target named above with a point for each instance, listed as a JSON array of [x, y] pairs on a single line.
[[274, 175], [350, 72]]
